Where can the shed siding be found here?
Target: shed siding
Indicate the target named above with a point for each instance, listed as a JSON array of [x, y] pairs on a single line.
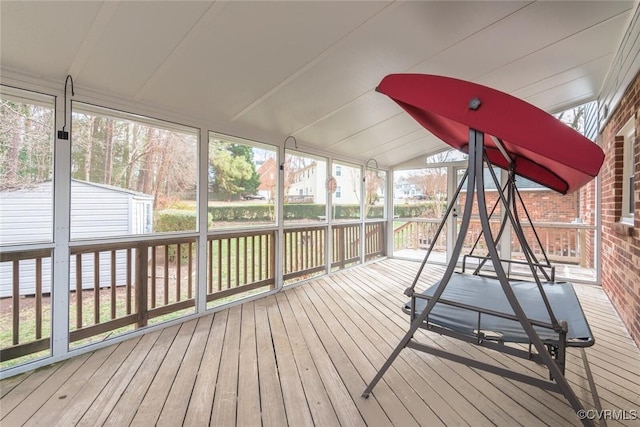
[[96, 212], [26, 216]]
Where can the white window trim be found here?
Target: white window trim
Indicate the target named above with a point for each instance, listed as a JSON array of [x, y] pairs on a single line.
[[629, 133]]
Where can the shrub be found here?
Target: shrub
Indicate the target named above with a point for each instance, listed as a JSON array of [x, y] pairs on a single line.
[[420, 210], [176, 220]]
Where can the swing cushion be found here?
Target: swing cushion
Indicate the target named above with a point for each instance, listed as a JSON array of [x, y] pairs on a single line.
[[487, 293]]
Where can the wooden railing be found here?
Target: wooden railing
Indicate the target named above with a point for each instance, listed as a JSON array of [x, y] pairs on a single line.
[[562, 242], [418, 235], [374, 240], [565, 243], [240, 262], [346, 245], [120, 286], [304, 252], [29, 317], [113, 287], [129, 284]]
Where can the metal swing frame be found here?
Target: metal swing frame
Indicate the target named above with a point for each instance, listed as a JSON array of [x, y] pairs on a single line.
[[553, 356]]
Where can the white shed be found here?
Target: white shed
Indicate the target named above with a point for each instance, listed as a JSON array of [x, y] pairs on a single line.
[[97, 211]]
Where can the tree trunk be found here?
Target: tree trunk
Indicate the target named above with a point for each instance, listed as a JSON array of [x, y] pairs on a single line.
[[108, 152], [13, 152], [89, 149]]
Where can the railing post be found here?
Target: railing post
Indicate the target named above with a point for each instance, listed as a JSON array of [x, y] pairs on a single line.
[[272, 258], [142, 267]]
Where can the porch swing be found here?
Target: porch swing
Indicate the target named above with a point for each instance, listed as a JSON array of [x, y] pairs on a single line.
[[486, 306]]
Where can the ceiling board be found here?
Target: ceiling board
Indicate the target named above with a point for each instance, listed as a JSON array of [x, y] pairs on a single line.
[[115, 64], [42, 38]]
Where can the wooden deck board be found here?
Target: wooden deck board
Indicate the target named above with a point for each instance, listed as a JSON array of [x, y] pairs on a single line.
[[248, 381], [296, 406], [272, 403], [372, 413], [201, 403], [96, 386], [462, 348], [343, 404], [510, 389], [455, 375], [127, 405], [226, 393], [175, 407], [154, 400], [322, 411], [303, 358], [53, 409], [391, 403]]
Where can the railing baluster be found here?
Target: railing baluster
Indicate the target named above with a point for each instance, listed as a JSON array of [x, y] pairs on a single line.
[[178, 265], [113, 284], [272, 241], [237, 253], [260, 257], [210, 267], [78, 291], [228, 263], [141, 285], [245, 260], [96, 288], [16, 302], [219, 264], [38, 298], [190, 271], [253, 258], [165, 296], [153, 275], [128, 284]]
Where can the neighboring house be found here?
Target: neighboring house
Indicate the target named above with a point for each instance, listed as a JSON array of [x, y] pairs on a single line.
[[309, 185], [268, 172], [26, 215], [405, 190]]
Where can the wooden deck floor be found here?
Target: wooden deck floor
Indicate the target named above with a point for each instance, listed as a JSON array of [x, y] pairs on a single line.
[[303, 358]]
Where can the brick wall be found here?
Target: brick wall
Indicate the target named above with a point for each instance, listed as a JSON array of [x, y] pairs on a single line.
[[544, 206], [621, 245]]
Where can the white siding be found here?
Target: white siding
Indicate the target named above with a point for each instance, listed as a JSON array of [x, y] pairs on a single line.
[[26, 216], [96, 211]]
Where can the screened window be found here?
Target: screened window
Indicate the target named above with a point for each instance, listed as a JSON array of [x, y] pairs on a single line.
[[420, 193], [243, 182], [305, 188], [375, 185], [26, 166], [131, 174], [346, 201]]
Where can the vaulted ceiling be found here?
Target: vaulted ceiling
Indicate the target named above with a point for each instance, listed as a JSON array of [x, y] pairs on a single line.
[[267, 69]]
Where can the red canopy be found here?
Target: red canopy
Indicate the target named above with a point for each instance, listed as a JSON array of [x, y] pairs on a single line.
[[544, 149]]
